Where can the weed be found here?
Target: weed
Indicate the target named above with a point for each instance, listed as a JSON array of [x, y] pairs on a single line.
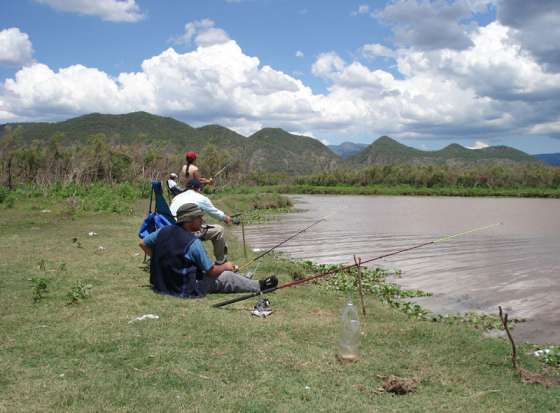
[[40, 288], [549, 355], [4, 193], [79, 292]]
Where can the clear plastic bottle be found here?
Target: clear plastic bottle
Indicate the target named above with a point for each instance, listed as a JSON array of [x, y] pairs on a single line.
[[348, 346]]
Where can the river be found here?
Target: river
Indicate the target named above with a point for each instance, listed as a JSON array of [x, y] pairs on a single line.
[[515, 265]]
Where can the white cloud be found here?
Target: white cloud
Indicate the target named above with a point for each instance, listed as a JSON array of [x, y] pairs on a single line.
[[547, 128], [479, 145], [299, 54], [108, 10], [217, 83], [362, 9], [327, 65], [488, 90], [15, 47], [203, 32], [376, 49]]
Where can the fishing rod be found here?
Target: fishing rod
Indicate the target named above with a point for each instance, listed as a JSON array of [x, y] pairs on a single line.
[[281, 243], [347, 267], [222, 170]]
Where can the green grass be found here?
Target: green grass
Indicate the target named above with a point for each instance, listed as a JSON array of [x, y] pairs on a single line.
[[527, 192], [88, 357]]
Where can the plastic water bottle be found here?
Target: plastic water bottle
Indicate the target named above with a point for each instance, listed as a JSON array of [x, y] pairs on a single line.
[[348, 346]]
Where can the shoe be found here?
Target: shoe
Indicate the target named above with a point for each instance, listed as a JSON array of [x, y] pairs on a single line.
[[268, 282]]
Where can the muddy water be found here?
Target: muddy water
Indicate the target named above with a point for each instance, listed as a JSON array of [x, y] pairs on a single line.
[[516, 265]]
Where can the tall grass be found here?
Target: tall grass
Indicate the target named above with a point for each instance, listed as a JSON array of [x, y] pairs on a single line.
[[94, 197]]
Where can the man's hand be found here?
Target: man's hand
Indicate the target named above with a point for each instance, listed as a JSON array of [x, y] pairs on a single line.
[[216, 270], [227, 219]]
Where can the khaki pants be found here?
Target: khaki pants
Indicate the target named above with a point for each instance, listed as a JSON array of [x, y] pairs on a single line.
[[214, 233]]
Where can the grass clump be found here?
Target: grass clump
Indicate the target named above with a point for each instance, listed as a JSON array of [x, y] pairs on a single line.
[[39, 288], [80, 291]]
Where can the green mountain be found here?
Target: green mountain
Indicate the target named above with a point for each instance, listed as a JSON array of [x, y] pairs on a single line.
[[136, 127], [388, 151], [271, 150], [276, 150]]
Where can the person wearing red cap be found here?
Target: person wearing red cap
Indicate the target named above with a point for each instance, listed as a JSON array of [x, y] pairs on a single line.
[[190, 170]]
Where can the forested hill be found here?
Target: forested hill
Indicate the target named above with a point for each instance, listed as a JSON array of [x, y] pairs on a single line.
[[279, 151], [387, 151], [131, 128], [270, 149]]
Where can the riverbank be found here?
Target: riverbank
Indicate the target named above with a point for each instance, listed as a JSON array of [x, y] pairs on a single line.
[[77, 348], [527, 192]]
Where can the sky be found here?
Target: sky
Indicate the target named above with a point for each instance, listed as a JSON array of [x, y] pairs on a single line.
[[425, 72]]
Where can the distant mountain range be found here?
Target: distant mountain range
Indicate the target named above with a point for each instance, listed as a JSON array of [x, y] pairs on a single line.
[[388, 151], [347, 149], [269, 149], [549, 158]]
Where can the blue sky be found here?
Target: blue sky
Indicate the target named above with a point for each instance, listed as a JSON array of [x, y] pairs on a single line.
[[428, 73]]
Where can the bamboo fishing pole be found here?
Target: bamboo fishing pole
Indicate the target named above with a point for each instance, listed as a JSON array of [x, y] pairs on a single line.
[[346, 267]]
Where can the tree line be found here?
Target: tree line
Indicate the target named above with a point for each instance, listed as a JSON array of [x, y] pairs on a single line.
[[45, 163], [97, 161]]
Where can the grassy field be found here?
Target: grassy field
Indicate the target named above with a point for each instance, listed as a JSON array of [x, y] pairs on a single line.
[[89, 356]]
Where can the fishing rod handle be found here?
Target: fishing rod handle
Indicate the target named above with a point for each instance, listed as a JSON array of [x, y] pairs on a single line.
[[243, 297]]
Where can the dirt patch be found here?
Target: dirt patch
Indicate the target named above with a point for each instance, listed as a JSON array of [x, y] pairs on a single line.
[[398, 385]]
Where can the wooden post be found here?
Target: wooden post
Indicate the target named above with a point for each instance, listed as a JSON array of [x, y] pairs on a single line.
[[243, 234], [358, 262]]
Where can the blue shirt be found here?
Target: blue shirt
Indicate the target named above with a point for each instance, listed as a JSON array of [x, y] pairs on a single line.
[[195, 253]]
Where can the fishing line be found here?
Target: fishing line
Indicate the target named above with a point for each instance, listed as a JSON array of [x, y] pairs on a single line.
[[348, 266], [287, 239]]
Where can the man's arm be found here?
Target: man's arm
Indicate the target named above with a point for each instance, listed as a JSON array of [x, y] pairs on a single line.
[[148, 242], [207, 206], [197, 254]]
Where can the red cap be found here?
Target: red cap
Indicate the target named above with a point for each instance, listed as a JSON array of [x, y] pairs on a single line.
[[191, 155]]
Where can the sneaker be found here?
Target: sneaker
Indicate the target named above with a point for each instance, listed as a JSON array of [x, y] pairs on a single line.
[[268, 282]]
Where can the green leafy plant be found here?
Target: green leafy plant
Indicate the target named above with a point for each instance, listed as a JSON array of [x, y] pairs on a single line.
[[549, 355], [79, 292], [40, 288]]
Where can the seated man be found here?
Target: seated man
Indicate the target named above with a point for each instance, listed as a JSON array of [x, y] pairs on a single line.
[[214, 233], [174, 189], [179, 265]]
